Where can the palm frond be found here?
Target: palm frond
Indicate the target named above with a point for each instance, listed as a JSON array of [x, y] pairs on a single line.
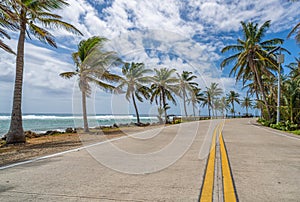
[[68, 75], [42, 34]]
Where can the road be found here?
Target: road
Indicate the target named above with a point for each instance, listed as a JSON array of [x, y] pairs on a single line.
[[166, 164]]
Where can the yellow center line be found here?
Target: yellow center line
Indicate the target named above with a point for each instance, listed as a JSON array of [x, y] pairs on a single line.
[[228, 187], [208, 184]]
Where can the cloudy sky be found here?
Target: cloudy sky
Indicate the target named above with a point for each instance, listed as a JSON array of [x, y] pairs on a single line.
[[185, 35]]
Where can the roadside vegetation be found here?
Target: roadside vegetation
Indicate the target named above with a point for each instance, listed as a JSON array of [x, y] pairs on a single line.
[[250, 59], [256, 66]]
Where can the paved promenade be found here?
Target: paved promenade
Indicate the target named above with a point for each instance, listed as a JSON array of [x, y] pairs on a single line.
[[167, 164]]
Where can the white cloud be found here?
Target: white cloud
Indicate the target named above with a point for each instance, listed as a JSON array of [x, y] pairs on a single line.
[[138, 29]]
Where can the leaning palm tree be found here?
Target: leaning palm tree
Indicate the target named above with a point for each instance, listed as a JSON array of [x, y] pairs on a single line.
[[196, 97], [247, 103], [91, 67], [251, 59], [186, 85], [134, 81], [233, 97], [164, 84], [32, 18]]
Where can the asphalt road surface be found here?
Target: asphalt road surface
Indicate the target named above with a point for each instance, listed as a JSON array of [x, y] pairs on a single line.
[[166, 164]]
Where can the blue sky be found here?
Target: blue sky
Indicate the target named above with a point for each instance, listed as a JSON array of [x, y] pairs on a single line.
[[191, 32]]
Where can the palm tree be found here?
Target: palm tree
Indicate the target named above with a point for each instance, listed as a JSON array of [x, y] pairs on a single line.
[[210, 95], [196, 97], [218, 106], [251, 59], [91, 63], [164, 84], [247, 103], [224, 105], [5, 22], [134, 80], [30, 18], [186, 85], [291, 98], [233, 97]]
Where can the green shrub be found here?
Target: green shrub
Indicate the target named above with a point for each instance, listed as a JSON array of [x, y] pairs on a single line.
[[297, 132], [266, 123], [286, 126]]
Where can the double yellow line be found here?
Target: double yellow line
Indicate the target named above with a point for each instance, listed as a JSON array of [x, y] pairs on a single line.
[[229, 193]]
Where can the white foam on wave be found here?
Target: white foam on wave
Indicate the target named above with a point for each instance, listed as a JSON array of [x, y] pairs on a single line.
[[97, 117]]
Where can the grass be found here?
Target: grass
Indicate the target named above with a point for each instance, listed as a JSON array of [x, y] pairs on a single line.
[[296, 132]]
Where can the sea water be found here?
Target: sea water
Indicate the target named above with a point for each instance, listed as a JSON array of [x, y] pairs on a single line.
[[43, 122]]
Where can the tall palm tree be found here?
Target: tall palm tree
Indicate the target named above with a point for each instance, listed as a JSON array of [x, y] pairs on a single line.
[[186, 85], [30, 18], [251, 59], [134, 80], [233, 97], [247, 103], [164, 84], [196, 97], [210, 95], [91, 67]]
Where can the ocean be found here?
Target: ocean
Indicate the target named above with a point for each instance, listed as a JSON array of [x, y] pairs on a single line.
[[43, 122]]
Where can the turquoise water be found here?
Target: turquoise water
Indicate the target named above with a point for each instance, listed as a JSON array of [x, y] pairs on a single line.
[[43, 122]]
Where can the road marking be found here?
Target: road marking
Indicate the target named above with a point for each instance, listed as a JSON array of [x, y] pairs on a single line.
[[208, 183], [228, 187]]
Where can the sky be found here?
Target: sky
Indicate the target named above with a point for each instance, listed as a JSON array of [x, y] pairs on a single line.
[[186, 35]]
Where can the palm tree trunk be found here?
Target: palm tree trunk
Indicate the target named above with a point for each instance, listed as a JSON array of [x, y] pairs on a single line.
[[208, 107], [84, 113], [257, 98], [16, 132], [233, 109], [165, 106], [194, 110], [246, 110], [184, 102], [292, 114], [136, 109]]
